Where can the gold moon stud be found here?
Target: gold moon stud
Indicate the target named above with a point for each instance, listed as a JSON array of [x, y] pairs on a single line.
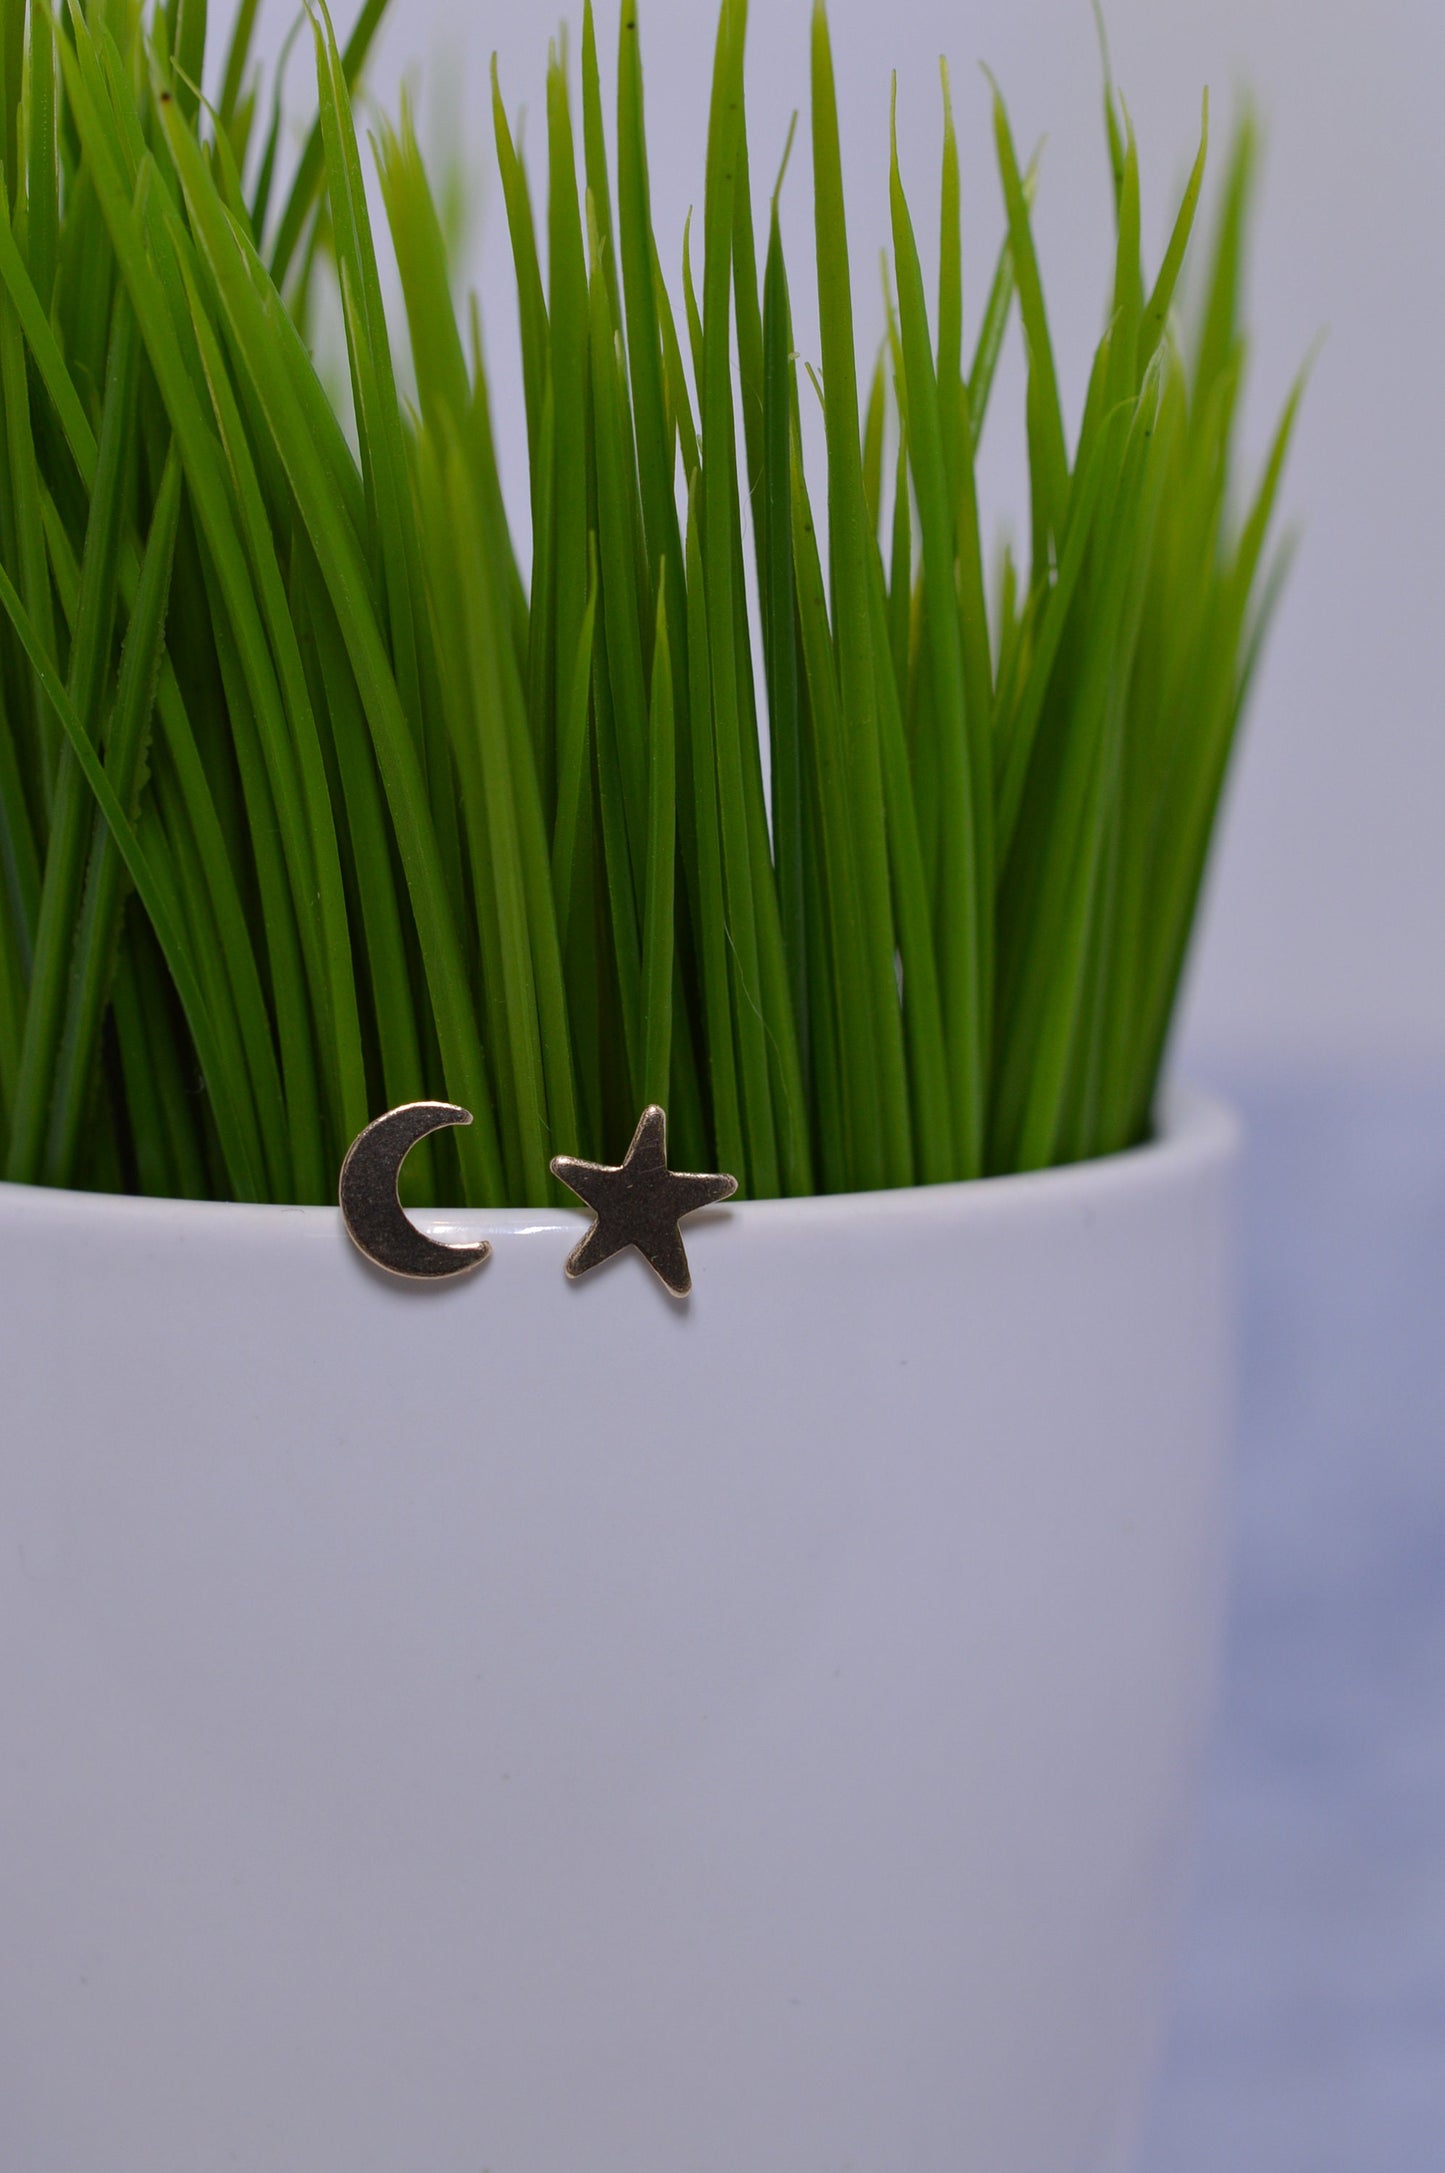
[[371, 1205]]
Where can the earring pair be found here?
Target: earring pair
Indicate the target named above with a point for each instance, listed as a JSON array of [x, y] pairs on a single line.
[[638, 1202]]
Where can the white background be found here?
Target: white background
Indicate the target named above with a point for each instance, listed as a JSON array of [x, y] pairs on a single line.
[[1326, 920]]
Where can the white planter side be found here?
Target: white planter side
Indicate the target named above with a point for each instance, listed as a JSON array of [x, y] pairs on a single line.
[[545, 1728]]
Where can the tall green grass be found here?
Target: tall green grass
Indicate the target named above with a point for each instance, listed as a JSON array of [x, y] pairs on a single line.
[[314, 799]]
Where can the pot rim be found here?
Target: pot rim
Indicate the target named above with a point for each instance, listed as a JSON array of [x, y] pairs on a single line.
[[1197, 1131]]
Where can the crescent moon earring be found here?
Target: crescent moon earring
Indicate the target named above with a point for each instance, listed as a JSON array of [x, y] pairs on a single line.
[[371, 1205]]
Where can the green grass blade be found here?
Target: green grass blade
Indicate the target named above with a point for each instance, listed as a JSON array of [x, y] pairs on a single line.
[[98, 925], [1156, 310], [658, 911], [953, 716], [1048, 457], [310, 168], [848, 552]]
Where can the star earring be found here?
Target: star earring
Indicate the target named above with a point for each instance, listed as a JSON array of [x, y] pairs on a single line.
[[640, 1203]]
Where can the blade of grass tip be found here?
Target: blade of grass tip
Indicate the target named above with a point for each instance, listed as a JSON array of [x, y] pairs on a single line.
[[657, 919], [125, 751], [226, 168], [246, 1172], [71, 814], [950, 282], [780, 649], [115, 80], [238, 55], [266, 170], [344, 483], [712, 907], [1156, 309], [848, 547], [237, 134], [188, 52], [594, 160], [994, 323], [723, 577], [1128, 303], [1218, 332], [749, 329], [1048, 458], [378, 409], [654, 425], [694, 314], [486, 476], [307, 182], [570, 320], [674, 377], [1112, 133], [900, 569], [962, 878], [873, 447], [531, 304], [644, 338]]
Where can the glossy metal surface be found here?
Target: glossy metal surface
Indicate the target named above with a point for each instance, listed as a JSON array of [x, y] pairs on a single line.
[[640, 1203], [371, 1208]]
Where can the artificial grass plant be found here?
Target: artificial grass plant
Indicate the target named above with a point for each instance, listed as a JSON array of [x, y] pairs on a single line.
[[313, 800]]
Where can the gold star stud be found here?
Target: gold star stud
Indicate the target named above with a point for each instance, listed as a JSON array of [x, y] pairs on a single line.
[[640, 1203]]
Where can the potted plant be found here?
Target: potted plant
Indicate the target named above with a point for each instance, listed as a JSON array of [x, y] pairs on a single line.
[[535, 1721]]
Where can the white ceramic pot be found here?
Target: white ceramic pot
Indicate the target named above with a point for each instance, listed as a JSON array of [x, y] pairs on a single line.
[[545, 1728]]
